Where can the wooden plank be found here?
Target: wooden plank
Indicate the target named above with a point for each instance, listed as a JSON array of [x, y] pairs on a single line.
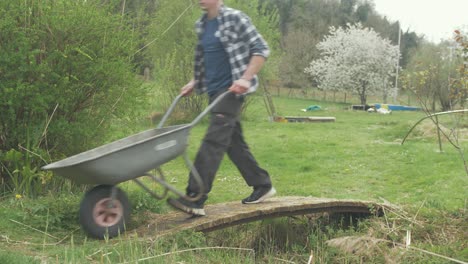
[[310, 119], [233, 213]]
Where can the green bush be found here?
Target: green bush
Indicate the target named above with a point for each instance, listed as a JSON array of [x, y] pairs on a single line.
[[65, 71]]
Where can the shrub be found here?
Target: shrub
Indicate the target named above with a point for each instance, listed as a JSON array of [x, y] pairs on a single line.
[[65, 70]]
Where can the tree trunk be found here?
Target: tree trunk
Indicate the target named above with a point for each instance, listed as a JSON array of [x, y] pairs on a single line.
[[385, 93], [363, 98], [362, 94]]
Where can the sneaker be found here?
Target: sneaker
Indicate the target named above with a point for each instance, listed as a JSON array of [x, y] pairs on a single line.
[[194, 208], [259, 194]]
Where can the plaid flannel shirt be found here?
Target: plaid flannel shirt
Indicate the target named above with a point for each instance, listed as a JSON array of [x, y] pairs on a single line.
[[240, 40]]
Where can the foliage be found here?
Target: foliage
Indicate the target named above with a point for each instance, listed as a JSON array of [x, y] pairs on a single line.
[[14, 258], [65, 72], [356, 60], [432, 76], [138, 15], [307, 22], [23, 175], [304, 23], [438, 78], [462, 79], [170, 44], [266, 20], [53, 212]]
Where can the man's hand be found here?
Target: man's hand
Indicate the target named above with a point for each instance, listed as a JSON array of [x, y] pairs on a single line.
[[240, 86], [188, 88]]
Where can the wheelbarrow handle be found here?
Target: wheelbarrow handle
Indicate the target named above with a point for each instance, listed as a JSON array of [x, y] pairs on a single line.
[[169, 111], [209, 107], [199, 117]]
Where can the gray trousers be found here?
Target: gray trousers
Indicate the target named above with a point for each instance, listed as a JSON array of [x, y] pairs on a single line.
[[224, 135]]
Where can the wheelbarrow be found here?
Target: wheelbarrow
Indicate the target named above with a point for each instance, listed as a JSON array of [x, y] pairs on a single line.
[[105, 209]]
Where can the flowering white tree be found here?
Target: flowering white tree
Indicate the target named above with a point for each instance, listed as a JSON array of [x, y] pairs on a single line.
[[355, 59]]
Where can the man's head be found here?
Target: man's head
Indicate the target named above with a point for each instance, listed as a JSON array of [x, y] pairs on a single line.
[[209, 5]]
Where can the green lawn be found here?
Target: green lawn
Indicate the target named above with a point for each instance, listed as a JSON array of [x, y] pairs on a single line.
[[357, 157]]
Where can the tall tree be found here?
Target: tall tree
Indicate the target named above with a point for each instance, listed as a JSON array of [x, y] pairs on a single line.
[[354, 59]]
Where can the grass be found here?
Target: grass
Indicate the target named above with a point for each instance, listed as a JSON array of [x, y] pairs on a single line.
[[357, 157]]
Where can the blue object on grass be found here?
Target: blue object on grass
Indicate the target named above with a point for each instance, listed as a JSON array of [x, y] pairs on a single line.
[[313, 108], [397, 107]]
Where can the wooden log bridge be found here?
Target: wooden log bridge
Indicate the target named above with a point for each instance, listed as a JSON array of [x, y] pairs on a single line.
[[234, 213]]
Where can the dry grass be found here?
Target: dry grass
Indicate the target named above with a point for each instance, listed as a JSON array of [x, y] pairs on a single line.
[[428, 130], [399, 236]]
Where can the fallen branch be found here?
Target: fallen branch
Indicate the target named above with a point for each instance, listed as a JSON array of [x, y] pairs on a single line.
[[35, 229], [283, 260], [189, 250], [433, 254], [311, 257], [9, 241], [35, 154]]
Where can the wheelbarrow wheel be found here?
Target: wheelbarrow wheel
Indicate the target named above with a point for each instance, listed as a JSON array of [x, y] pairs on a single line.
[[100, 215]]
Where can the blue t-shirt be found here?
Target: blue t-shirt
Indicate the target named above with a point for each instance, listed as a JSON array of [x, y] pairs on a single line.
[[217, 68]]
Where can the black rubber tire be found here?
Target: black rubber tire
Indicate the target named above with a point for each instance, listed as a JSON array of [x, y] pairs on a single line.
[[97, 196]]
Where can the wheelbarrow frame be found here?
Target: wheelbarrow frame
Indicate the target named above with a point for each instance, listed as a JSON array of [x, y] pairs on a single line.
[[131, 158]]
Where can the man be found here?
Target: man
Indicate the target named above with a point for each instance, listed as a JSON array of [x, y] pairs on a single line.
[[229, 54]]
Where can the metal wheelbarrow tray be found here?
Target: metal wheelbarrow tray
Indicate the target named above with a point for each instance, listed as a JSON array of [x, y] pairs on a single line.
[[124, 159], [105, 209]]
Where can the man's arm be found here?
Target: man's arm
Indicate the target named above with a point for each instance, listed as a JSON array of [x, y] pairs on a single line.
[[188, 88], [254, 67], [259, 52], [242, 85]]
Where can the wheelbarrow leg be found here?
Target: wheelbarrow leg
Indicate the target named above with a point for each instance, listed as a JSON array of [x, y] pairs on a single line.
[[171, 188], [160, 180]]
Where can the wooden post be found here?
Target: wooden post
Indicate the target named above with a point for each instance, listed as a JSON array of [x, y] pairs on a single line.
[[438, 133]]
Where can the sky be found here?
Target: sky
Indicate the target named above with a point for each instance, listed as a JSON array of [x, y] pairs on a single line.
[[436, 19]]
